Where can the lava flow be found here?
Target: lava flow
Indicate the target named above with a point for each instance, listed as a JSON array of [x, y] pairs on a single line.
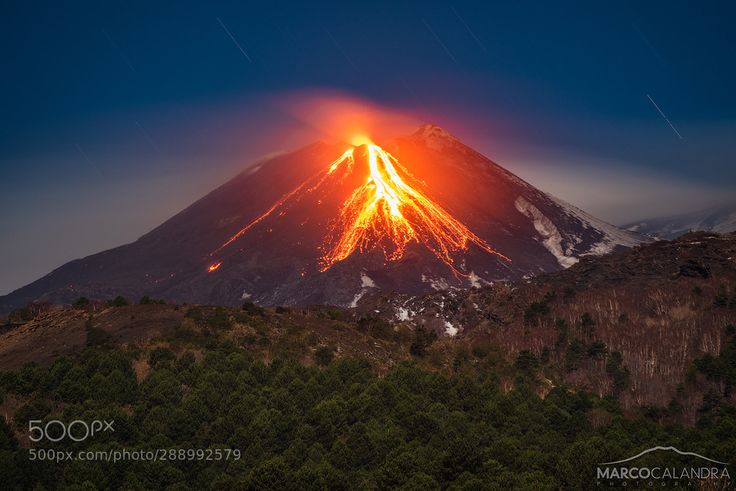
[[385, 212], [389, 213]]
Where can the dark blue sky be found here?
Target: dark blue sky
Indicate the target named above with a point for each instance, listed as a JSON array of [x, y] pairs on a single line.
[[117, 114]]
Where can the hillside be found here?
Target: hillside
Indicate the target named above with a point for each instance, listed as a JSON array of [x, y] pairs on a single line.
[[654, 310], [520, 385], [660, 306]]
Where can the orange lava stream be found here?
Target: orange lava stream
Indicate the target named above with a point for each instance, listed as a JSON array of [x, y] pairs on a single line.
[[387, 212]]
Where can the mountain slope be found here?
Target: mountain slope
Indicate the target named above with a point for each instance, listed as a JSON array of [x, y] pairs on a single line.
[[632, 324], [721, 219], [660, 306], [328, 224]]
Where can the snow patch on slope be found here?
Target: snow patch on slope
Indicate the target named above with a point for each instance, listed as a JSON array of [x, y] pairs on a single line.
[[404, 314], [253, 169], [547, 229], [612, 235], [726, 226], [437, 284], [476, 281], [450, 330], [366, 283], [435, 137]]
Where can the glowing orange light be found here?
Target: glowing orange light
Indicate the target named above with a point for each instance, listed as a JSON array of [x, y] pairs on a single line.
[[358, 140], [384, 212], [387, 212], [213, 267]]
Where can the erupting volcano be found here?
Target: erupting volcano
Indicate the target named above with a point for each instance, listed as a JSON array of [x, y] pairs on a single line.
[[385, 212], [333, 223], [388, 212]]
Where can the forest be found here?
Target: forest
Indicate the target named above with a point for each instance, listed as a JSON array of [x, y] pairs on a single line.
[[330, 422]]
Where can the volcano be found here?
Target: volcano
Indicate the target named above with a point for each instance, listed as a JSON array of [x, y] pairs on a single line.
[[331, 223]]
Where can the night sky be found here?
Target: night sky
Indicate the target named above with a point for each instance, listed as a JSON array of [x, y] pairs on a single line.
[[116, 115]]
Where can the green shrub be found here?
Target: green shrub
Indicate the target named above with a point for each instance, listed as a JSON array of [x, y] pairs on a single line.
[[618, 372], [597, 349], [82, 302], [96, 336], [526, 361], [252, 309], [324, 355], [534, 310], [423, 338], [586, 322], [574, 355], [161, 358], [118, 301], [146, 300]]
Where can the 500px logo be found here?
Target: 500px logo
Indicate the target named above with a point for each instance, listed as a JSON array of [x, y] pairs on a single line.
[[77, 430]]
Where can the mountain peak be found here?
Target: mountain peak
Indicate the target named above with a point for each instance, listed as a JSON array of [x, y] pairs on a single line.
[[433, 132], [435, 137]]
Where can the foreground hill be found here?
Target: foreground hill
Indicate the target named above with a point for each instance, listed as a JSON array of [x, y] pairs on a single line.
[[220, 419], [528, 385], [658, 306], [631, 325]]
